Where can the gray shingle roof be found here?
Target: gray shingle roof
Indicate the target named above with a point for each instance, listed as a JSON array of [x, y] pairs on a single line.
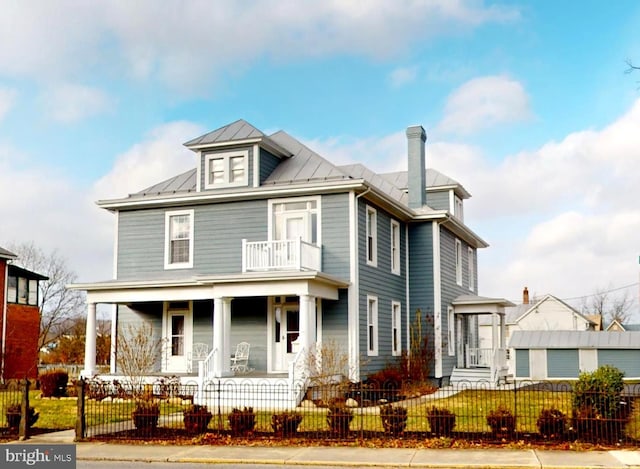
[[6, 254], [574, 339], [238, 130]]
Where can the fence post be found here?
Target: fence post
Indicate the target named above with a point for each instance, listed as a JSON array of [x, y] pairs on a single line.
[[80, 416], [515, 407], [23, 430]]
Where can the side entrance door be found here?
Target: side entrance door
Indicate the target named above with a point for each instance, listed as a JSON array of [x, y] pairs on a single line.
[[286, 331], [177, 327]]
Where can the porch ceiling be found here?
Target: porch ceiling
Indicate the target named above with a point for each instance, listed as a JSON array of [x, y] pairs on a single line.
[[207, 287]]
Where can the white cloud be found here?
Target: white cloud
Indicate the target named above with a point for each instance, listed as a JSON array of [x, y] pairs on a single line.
[[402, 76], [71, 103], [189, 43], [485, 102], [7, 98]]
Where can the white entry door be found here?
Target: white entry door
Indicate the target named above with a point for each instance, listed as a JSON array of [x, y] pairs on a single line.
[[177, 327], [286, 331]]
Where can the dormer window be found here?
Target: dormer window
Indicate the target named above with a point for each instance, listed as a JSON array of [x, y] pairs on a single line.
[[457, 208], [226, 169]]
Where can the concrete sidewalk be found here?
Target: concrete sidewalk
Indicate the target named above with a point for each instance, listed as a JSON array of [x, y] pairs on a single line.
[[347, 456]]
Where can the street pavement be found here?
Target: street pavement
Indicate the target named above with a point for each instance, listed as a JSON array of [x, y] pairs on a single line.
[[346, 456]]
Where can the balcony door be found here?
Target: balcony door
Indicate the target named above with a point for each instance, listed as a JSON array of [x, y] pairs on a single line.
[[295, 218]]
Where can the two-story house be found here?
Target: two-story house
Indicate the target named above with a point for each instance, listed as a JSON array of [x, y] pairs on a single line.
[[19, 319], [267, 242]]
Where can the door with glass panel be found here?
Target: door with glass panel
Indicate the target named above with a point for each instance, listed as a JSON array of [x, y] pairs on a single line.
[[286, 332], [177, 326]]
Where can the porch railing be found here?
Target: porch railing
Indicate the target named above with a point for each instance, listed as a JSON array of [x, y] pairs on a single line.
[[289, 254], [482, 357]]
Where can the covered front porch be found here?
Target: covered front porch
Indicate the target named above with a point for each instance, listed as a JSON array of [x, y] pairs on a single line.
[[478, 359]]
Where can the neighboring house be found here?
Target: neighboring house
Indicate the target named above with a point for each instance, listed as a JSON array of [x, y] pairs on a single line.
[[617, 326], [267, 242], [541, 355], [19, 319]]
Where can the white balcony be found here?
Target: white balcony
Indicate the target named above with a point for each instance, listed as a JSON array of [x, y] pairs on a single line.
[[290, 254]]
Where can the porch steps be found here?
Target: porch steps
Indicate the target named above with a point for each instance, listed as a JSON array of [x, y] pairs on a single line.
[[259, 393], [470, 375]]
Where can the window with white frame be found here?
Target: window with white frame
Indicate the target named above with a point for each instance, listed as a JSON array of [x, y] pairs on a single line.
[[471, 266], [451, 337], [296, 217], [396, 334], [372, 325], [458, 262], [395, 247], [458, 208], [179, 239], [372, 236], [226, 169]]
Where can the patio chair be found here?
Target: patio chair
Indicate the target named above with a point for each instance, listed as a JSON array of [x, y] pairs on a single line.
[[240, 360], [198, 353]]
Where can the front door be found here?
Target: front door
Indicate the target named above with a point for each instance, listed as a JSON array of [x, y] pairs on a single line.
[[177, 327], [286, 332]]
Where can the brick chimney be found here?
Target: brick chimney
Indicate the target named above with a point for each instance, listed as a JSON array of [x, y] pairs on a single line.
[[416, 182], [525, 296]]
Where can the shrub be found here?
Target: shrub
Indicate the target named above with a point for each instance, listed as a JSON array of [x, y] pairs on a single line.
[[145, 415], [599, 409], [394, 419], [441, 421], [14, 414], [241, 421], [54, 383], [196, 418], [285, 423], [502, 422], [338, 418], [551, 423]]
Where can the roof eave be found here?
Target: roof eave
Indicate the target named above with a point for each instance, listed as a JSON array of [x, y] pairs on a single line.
[[264, 142]]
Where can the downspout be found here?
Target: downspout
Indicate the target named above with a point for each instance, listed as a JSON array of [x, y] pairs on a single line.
[[354, 309], [437, 299], [4, 320]]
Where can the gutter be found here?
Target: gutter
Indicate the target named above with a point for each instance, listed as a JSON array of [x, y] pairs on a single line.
[[4, 321]]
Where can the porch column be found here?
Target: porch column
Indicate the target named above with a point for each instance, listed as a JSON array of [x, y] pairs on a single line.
[[218, 337], [495, 337], [307, 321], [90, 343], [226, 342]]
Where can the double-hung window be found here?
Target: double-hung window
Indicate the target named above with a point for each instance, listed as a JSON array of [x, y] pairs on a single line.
[[226, 169], [471, 268], [396, 334], [458, 262], [395, 247], [372, 235], [372, 325], [178, 239]]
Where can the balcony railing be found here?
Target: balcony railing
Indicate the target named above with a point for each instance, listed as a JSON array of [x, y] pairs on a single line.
[[289, 254]]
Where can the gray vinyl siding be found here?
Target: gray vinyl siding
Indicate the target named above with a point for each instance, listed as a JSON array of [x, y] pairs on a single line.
[[380, 282], [438, 200], [268, 163], [625, 360], [522, 363], [335, 235], [562, 363], [132, 316], [203, 322], [203, 174], [450, 289], [335, 321], [249, 324]]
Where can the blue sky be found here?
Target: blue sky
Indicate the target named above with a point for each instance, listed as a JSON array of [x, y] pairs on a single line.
[[525, 103]]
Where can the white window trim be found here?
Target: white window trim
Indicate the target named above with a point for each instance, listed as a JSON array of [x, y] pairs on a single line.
[[372, 321], [458, 262], [396, 324], [471, 268], [395, 240], [167, 241], [458, 208], [373, 232], [226, 156], [451, 327], [316, 198]]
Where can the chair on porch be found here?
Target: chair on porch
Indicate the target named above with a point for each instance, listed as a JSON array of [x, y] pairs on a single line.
[[198, 353], [240, 360]]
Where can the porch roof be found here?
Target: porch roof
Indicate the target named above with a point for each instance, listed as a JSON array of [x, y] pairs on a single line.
[[474, 304], [201, 287]]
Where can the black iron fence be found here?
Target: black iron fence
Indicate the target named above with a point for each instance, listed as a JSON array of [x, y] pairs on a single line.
[[536, 412], [17, 415]]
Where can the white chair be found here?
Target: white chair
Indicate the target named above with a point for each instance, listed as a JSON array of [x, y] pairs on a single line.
[[240, 360], [198, 353]]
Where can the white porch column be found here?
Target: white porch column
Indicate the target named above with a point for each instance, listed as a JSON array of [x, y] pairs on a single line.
[[495, 337], [226, 343], [307, 321], [218, 337], [90, 343]]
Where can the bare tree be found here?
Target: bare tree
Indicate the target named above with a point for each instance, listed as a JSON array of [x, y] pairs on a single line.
[[58, 305], [610, 307], [138, 352]]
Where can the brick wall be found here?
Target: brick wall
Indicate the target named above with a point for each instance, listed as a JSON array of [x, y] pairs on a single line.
[[23, 328]]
